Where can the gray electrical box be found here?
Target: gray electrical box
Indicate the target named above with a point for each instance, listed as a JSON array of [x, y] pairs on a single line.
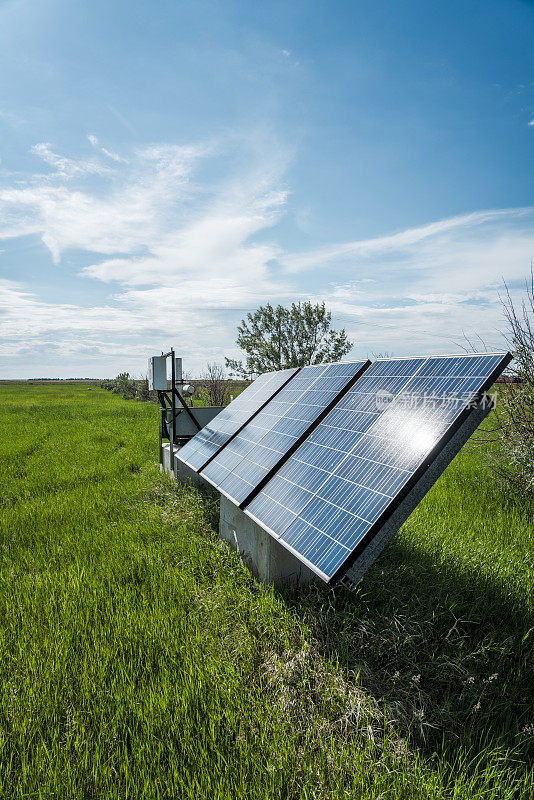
[[157, 373]]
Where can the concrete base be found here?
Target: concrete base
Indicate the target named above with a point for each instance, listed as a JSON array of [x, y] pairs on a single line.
[[182, 473], [261, 553]]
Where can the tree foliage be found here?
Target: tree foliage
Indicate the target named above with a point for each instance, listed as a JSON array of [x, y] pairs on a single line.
[[280, 338]]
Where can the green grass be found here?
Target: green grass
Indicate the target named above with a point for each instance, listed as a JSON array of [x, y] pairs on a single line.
[[139, 659]]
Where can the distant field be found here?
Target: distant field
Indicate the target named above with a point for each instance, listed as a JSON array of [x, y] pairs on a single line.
[[49, 381], [139, 659]]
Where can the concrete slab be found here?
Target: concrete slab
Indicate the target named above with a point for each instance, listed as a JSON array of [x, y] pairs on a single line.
[[166, 457], [182, 473], [261, 553]]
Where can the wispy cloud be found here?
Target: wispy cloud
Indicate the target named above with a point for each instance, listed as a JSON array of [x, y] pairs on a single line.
[[422, 289], [186, 257], [181, 251], [401, 241], [68, 167], [109, 153], [127, 216], [123, 120]]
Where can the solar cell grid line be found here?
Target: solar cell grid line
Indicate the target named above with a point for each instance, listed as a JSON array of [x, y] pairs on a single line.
[[208, 441], [367, 483], [290, 489], [247, 461]]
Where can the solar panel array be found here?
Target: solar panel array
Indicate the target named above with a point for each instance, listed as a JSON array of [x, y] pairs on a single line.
[[238, 469], [339, 487], [218, 432], [321, 457]]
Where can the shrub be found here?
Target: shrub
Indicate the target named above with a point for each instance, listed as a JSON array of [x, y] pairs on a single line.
[[143, 393], [125, 386], [215, 389], [122, 384], [515, 411]]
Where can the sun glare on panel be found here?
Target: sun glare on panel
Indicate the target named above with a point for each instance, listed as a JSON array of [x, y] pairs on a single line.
[[405, 426]]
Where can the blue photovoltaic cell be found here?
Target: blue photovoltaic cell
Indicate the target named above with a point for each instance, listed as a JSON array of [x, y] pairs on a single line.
[[288, 492], [339, 482], [213, 436], [269, 436]]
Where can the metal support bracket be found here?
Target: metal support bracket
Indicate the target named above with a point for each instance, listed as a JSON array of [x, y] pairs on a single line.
[[169, 404], [188, 410]]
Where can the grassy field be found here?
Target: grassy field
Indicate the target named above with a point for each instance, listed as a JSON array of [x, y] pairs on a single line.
[[139, 659]]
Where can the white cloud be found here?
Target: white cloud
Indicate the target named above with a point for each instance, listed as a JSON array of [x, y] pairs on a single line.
[[113, 156], [183, 251], [531, 122], [109, 153], [120, 333], [397, 242], [68, 167], [186, 257], [131, 215], [421, 289]]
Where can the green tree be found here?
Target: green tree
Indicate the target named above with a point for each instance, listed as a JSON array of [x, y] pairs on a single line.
[[279, 338]]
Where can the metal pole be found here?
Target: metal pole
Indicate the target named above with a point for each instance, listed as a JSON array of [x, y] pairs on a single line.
[[173, 406], [162, 427], [161, 444]]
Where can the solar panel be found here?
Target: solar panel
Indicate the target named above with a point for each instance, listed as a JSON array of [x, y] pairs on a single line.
[[208, 441], [240, 468], [338, 489]]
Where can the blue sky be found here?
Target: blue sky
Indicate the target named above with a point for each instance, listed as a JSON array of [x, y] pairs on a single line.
[[166, 167]]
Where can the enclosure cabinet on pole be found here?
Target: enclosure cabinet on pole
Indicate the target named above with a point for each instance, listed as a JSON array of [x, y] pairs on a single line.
[[157, 373]]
